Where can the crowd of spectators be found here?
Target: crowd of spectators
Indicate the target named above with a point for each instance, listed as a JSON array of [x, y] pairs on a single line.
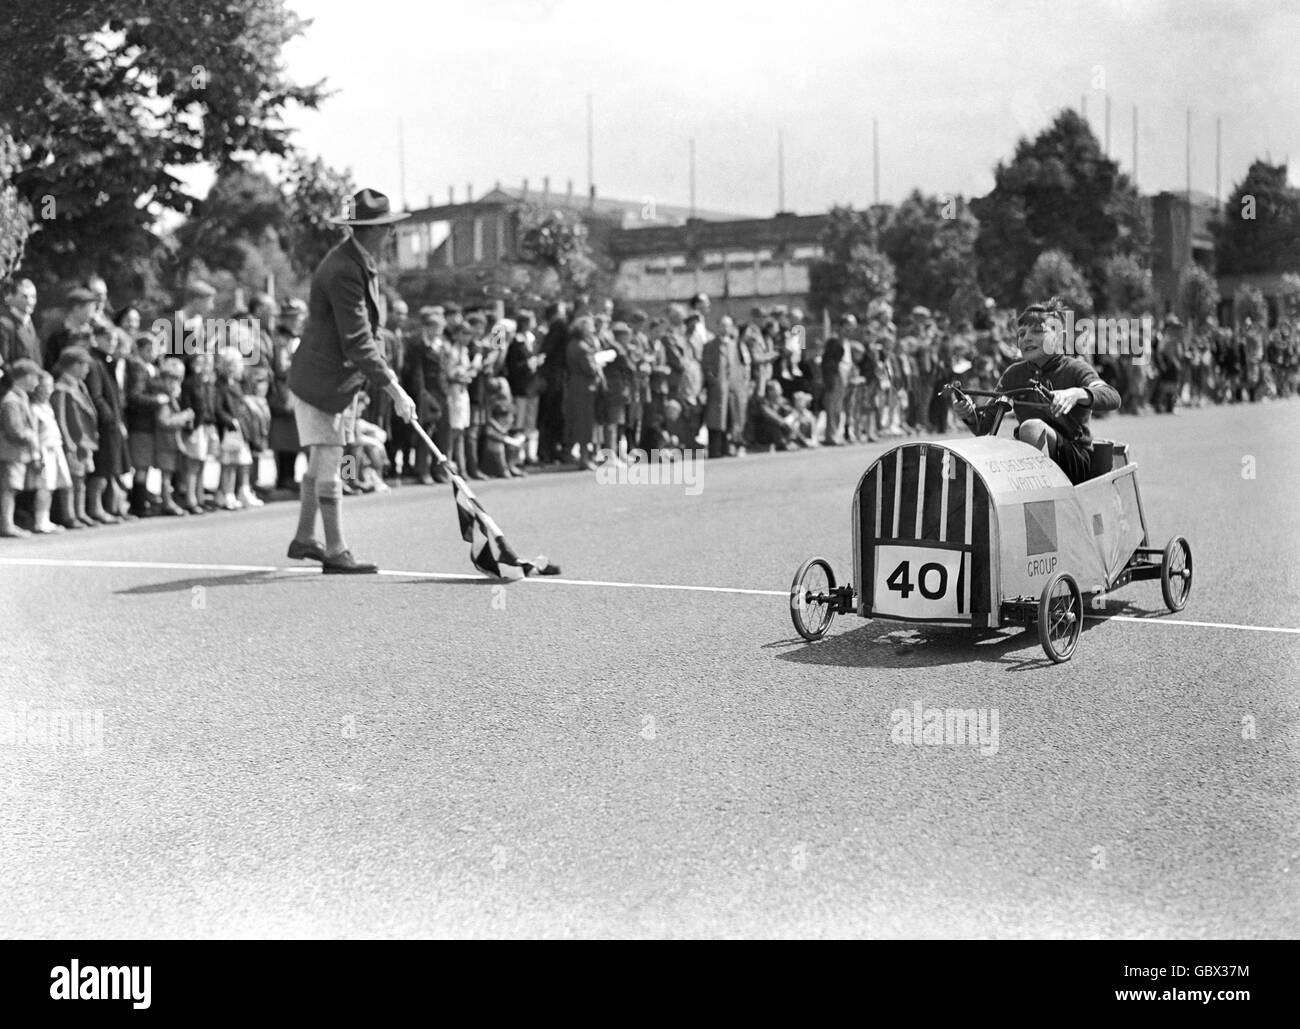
[[97, 408]]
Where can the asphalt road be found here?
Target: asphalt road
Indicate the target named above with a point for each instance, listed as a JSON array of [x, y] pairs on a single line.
[[253, 749]]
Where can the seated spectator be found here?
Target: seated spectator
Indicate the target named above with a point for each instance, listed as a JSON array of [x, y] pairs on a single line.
[[660, 434], [773, 422], [19, 441], [502, 448], [803, 419]]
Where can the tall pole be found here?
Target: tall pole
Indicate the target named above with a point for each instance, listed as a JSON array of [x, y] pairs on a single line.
[[1218, 155], [1189, 155], [1107, 124], [591, 174], [692, 177], [780, 170], [875, 160], [401, 162], [1135, 145]]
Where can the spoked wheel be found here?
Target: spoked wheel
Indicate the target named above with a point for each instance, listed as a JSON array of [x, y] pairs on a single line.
[[1060, 617], [812, 600], [1176, 573]]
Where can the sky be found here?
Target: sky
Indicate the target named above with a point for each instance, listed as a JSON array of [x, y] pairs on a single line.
[[496, 90]]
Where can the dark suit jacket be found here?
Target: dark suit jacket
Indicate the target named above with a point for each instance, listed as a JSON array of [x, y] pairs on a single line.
[[17, 341], [340, 350]]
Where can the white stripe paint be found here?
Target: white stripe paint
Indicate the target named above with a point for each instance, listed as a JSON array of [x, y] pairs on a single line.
[[165, 566]]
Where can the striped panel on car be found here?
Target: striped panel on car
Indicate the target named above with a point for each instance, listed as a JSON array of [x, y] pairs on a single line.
[[926, 493]]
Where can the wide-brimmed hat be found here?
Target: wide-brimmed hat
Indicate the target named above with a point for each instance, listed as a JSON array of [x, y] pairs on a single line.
[[368, 207]]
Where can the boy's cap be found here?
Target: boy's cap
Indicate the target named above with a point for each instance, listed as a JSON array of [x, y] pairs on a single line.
[[23, 366], [172, 368], [81, 295]]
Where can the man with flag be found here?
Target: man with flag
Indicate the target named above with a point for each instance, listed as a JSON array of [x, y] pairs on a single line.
[[339, 356]]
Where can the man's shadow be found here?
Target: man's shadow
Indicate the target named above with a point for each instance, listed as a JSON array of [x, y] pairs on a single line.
[[212, 581]]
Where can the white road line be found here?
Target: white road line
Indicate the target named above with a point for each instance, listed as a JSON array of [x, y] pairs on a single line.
[[172, 566]]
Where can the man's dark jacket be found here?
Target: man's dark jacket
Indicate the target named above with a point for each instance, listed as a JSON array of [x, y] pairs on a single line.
[[340, 350]]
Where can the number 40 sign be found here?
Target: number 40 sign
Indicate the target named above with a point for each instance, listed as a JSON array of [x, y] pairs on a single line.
[[919, 582]]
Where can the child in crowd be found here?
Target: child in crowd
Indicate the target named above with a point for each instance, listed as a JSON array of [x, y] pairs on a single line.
[[257, 425], [74, 412], [502, 448], [144, 395], [232, 417], [369, 458], [19, 440], [49, 474], [461, 368], [198, 394], [803, 420], [172, 421]]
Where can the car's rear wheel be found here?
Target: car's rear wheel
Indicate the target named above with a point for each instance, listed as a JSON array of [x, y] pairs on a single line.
[[1176, 573], [1060, 617], [812, 599]]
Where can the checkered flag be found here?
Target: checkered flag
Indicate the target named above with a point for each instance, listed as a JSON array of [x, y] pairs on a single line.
[[488, 550]]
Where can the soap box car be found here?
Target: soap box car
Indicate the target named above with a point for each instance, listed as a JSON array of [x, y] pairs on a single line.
[[988, 532]]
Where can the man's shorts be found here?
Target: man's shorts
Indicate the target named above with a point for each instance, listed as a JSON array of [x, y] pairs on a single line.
[[140, 445], [13, 475], [317, 428]]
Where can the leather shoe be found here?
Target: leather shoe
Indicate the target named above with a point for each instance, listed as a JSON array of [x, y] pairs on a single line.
[[298, 550], [345, 564]]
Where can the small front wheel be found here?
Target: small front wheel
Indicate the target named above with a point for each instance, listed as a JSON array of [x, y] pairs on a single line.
[[1176, 573], [812, 599], [1060, 617]]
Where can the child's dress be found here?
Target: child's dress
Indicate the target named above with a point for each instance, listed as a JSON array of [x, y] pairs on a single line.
[[53, 473]]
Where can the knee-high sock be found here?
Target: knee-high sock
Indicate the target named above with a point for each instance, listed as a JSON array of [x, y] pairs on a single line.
[[329, 495], [307, 512]]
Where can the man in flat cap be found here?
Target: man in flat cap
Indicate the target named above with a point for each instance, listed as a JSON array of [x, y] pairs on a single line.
[[340, 354]]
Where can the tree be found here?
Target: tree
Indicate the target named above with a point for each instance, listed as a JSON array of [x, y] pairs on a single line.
[[1054, 275], [15, 212], [1128, 286], [1260, 230], [1059, 192], [852, 270], [108, 99], [1249, 302], [931, 242], [1288, 295], [314, 192], [1198, 294], [556, 243]]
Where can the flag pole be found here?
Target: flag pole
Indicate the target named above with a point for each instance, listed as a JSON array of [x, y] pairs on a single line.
[[438, 456]]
